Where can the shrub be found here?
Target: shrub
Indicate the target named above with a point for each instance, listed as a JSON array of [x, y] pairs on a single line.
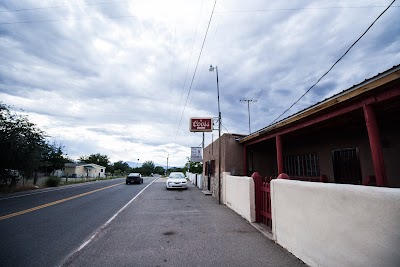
[[52, 181]]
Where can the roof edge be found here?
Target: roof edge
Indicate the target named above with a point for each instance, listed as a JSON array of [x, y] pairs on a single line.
[[356, 90]]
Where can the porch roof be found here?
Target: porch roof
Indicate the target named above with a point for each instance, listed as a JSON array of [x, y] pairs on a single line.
[[368, 85], [88, 167]]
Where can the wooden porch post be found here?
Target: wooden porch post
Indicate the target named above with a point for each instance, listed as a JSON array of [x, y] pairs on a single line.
[[375, 144], [279, 156], [245, 160]]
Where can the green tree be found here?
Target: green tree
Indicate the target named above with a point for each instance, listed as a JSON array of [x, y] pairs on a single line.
[[22, 144], [148, 167], [54, 158], [175, 169], [193, 167], [159, 170], [98, 159], [121, 167]]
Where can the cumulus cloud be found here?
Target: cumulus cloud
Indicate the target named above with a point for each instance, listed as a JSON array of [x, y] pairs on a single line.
[[118, 78]]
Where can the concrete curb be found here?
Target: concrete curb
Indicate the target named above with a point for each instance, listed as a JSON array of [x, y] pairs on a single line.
[[263, 230]]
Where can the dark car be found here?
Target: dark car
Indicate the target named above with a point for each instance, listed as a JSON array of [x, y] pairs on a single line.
[[135, 178]]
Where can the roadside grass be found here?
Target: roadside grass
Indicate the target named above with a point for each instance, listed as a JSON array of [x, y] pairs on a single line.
[[81, 181], [6, 189], [52, 181]]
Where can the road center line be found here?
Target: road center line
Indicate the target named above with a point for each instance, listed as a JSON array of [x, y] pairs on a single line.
[[54, 203]]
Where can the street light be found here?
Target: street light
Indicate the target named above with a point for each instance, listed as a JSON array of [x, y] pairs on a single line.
[[219, 136], [166, 172], [137, 165]]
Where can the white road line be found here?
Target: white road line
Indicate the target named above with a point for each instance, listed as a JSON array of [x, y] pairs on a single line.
[[111, 219]]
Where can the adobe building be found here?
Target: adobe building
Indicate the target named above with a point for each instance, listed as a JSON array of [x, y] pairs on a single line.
[[352, 137], [232, 158]]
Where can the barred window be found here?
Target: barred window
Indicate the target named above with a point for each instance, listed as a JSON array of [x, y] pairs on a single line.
[[302, 165]]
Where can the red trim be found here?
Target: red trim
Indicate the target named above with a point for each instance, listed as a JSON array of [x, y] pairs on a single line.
[[258, 195], [279, 155], [394, 92], [375, 144]]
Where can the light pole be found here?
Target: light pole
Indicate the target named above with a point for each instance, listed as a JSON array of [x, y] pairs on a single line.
[[137, 165], [166, 172], [219, 136]]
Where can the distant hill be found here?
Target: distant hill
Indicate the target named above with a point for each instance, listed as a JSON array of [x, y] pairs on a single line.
[[133, 164]]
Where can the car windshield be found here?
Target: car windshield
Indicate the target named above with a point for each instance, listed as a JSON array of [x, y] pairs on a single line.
[[176, 175]]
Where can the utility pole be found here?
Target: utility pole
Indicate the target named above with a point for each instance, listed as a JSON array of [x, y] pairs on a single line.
[[166, 171], [202, 159], [248, 108], [219, 136]]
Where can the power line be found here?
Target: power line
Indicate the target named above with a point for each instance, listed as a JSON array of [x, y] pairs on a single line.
[[220, 12], [131, 16], [296, 8], [212, 45], [63, 6], [195, 70], [308, 90], [258, 94], [173, 63], [73, 19], [191, 52], [225, 128]]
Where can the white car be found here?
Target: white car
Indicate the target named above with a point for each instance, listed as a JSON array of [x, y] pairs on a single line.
[[176, 180]]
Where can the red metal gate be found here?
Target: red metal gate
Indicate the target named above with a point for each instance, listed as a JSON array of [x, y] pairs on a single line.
[[263, 200]]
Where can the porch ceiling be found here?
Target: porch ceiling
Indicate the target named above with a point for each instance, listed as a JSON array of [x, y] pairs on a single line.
[[385, 99]]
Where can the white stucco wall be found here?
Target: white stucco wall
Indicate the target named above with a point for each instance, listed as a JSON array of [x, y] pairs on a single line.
[[193, 176], [199, 181], [337, 225], [238, 194]]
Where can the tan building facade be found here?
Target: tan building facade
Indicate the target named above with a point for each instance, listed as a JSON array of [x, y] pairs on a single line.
[[232, 158], [82, 170]]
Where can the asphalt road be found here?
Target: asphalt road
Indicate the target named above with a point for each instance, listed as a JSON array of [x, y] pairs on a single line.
[[45, 227], [180, 228]]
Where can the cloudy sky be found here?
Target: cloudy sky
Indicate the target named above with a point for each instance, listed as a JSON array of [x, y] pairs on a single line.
[[122, 78]]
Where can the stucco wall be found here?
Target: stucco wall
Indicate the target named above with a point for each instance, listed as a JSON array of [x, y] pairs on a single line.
[[195, 179], [233, 156], [337, 224], [211, 153], [231, 160], [238, 194], [69, 170], [81, 172]]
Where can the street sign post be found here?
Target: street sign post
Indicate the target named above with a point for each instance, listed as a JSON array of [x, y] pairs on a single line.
[[196, 155]]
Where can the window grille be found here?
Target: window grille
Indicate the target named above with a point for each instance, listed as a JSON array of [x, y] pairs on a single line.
[[302, 165]]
